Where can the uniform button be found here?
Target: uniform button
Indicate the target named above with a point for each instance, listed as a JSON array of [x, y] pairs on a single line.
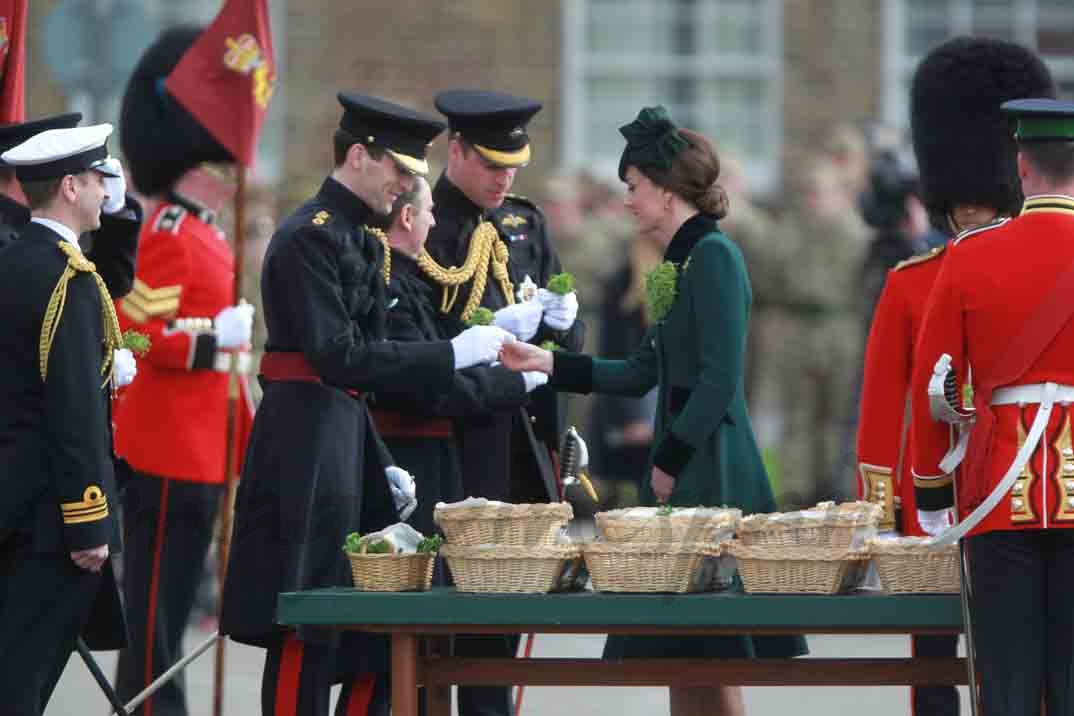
[[1068, 468], [1018, 504], [533, 419], [1068, 452], [1018, 488], [1070, 485]]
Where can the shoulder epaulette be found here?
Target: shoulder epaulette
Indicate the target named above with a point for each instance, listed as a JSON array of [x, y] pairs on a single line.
[[522, 200], [981, 229], [920, 258], [320, 218], [169, 219]]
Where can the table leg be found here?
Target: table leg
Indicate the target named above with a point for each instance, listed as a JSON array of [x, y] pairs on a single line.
[[437, 696], [404, 675]]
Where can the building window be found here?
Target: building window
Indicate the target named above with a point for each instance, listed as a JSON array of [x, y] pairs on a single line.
[[913, 27], [715, 64]]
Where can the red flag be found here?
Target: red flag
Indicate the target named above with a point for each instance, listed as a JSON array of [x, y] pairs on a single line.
[[228, 75], [12, 61]]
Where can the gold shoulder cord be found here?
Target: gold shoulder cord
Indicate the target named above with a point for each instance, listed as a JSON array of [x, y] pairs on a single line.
[[77, 263], [486, 252], [386, 269]]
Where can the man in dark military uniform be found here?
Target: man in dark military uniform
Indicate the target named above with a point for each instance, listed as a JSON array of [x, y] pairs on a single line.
[[112, 247], [502, 244], [57, 525], [315, 468], [417, 430]]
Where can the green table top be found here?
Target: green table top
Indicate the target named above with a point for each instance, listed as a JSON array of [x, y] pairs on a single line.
[[442, 607]]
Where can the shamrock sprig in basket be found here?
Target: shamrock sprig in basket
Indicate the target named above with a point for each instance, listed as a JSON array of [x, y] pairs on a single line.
[[395, 559]]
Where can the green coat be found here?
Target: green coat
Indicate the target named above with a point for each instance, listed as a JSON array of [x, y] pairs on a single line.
[[696, 356]]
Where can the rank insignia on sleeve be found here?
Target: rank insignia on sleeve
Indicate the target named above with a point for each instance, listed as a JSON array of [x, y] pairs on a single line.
[[513, 221], [92, 507], [321, 217]]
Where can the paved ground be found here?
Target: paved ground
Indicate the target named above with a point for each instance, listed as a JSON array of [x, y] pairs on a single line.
[[77, 693]]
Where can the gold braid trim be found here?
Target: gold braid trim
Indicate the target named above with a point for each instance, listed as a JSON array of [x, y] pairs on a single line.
[[486, 253], [77, 263], [386, 269]]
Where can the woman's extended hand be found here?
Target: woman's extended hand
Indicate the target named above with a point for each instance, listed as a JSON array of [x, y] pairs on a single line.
[[519, 356], [663, 484]]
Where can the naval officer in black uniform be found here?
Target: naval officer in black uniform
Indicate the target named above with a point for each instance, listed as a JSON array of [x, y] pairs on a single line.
[[57, 498], [112, 247]]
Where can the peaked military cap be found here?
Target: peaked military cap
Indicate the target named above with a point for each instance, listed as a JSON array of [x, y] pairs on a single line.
[[402, 132], [160, 139], [963, 142], [12, 135], [493, 122], [1041, 120], [58, 152]]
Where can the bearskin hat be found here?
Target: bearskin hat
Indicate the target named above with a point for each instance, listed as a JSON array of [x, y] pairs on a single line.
[[160, 139], [966, 153]]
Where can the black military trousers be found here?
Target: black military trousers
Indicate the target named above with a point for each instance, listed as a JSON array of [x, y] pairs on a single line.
[[934, 700], [299, 675], [167, 529], [1023, 621], [45, 600]]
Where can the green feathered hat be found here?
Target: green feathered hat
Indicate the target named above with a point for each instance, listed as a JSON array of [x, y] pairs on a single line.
[[653, 141]]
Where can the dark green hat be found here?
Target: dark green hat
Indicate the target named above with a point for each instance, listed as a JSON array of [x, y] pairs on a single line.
[[653, 141], [1041, 120]]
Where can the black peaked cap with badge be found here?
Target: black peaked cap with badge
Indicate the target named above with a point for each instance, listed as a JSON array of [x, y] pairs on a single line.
[[493, 122], [160, 139], [962, 140], [405, 134], [1039, 119]]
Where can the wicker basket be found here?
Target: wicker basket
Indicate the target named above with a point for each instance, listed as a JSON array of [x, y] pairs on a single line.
[[912, 565], [641, 525], [498, 568], [824, 527], [392, 572], [636, 567], [503, 523], [798, 570]]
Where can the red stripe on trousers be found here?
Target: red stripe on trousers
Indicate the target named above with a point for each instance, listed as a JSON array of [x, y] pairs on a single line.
[[154, 584], [361, 695], [287, 680]]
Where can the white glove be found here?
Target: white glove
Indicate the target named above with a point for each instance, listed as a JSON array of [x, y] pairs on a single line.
[[124, 367], [935, 522], [522, 319], [404, 491], [534, 380], [115, 187], [479, 344], [234, 326], [559, 311]]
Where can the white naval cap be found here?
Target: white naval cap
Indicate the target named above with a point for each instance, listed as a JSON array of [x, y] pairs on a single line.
[[57, 152]]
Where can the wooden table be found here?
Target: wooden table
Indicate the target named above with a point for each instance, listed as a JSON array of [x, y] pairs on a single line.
[[415, 616]]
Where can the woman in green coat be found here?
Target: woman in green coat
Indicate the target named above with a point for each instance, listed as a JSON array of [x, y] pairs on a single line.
[[704, 451]]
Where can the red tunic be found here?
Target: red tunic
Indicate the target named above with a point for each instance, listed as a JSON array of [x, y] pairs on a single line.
[[883, 419], [172, 420], [987, 289]]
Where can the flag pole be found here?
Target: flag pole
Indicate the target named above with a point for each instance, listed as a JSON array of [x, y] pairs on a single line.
[[233, 437]]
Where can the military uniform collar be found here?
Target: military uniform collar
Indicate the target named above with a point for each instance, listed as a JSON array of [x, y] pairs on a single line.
[[345, 201], [691, 231], [1059, 203], [196, 208], [447, 196], [12, 212]]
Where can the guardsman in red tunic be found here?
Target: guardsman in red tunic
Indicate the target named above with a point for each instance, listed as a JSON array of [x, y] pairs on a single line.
[[964, 183], [1000, 313], [171, 422]]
